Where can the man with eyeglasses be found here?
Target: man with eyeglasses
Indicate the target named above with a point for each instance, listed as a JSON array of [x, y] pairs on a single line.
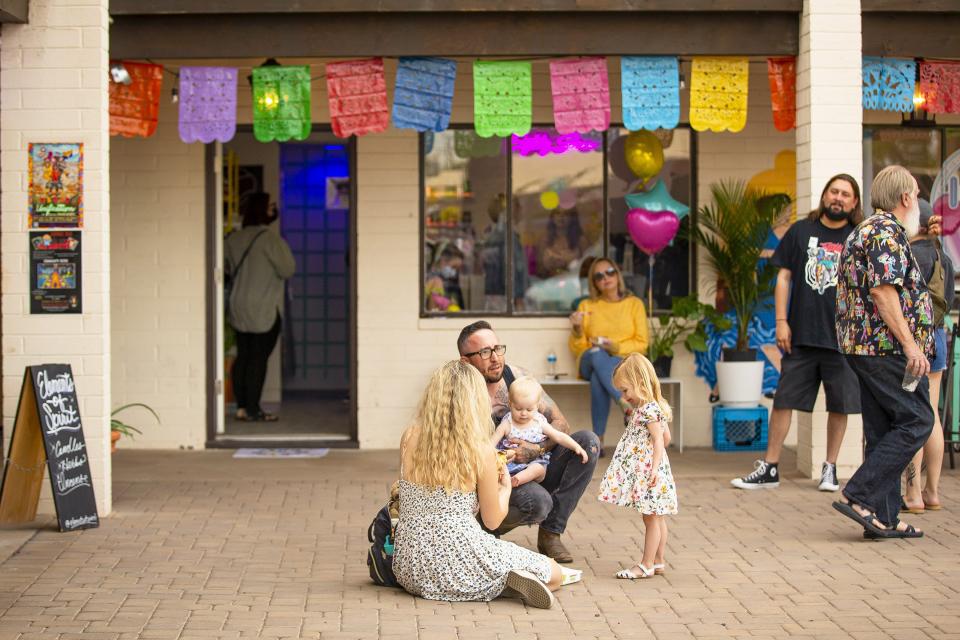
[[551, 502]]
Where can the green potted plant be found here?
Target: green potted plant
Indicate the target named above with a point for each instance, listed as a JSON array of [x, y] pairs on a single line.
[[732, 231], [685, 319], [119, 428]]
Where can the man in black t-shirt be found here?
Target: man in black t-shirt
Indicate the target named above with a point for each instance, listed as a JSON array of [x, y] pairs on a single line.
[[809, 259]]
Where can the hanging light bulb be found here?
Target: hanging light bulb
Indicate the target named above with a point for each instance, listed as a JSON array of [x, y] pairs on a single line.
[[269, 100], [919, 100], [174, 95]]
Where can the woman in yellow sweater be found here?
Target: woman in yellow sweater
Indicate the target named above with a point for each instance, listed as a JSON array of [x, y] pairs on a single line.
[[607, 327]]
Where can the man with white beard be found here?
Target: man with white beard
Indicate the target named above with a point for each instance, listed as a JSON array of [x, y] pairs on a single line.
[[885, 328]]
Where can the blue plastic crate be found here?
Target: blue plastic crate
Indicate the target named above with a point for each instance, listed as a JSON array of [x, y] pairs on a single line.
[[740, 429]]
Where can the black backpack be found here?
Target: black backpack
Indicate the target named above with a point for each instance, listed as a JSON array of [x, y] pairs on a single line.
[[380, 556]]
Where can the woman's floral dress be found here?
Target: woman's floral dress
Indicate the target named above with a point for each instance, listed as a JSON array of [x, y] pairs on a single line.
[[626, 482], [443, 554]]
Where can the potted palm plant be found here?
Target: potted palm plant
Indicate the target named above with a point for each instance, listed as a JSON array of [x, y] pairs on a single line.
[[684, 321], [732, 232]]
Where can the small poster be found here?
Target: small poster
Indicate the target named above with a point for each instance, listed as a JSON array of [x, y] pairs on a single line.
[[55, 285], [338, 193], [56, 185]]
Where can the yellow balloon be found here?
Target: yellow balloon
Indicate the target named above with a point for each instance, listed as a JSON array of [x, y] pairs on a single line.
[[549, 200], [453, 308], [644, 154]]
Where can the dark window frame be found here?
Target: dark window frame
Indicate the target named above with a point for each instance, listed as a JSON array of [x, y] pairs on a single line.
[[940, 128], [693, 284]]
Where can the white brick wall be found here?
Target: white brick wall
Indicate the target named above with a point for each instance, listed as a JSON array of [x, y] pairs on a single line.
[[158, 282], [53, 78]]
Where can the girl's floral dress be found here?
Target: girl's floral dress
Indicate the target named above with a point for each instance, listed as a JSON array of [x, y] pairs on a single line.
[[626, 482]]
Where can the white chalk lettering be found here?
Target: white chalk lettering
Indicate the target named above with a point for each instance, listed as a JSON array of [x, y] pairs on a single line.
[[73, 523], [68, 464], [66, 485], [63, 383], [73, 446], [55, 421]]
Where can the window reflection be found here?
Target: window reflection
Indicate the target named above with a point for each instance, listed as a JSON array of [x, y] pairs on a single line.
[[557, 213], [464, 206], [916, 149]]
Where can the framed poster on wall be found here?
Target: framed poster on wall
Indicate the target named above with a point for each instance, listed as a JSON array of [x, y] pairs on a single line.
[[55, 285], [56, 185]]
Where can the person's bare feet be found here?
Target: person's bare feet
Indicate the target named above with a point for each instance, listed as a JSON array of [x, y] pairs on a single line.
[[930, 501], [913, 505]]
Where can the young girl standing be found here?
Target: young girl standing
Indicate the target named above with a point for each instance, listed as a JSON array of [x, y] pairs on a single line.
[[639, 474]]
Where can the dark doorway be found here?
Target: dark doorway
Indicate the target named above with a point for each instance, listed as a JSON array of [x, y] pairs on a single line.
[[311, 373]]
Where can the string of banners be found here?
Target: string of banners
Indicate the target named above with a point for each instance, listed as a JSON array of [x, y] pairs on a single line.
[[503, 95]]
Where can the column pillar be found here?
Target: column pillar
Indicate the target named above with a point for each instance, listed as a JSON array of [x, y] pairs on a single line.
[[829, 141], [53, 80]]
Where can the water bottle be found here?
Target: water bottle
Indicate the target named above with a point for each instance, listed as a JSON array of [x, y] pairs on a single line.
[[910, 382], [552, 364]]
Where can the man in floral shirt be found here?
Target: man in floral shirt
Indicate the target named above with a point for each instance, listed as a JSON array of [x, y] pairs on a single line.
[[885, 328]]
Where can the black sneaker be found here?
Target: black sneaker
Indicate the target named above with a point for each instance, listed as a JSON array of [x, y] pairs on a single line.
[[828, 478], [764, 476]]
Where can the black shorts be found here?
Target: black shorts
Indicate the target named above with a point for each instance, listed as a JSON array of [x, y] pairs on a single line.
[[801, 372]]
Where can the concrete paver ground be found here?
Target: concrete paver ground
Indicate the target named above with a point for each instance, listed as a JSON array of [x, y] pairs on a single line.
[[204, 546]]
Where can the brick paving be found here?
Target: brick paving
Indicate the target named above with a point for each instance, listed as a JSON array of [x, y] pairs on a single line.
[[202, 546]]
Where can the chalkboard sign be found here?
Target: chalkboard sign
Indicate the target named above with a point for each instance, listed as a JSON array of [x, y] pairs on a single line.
[[48, 427]]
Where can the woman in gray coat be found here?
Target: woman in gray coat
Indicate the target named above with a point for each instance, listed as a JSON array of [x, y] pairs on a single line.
[[259, 261]]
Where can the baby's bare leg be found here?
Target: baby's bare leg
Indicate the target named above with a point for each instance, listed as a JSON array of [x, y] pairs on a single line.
[[533, 473]]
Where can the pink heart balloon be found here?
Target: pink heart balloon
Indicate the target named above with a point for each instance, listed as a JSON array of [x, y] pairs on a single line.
[[652, 230]]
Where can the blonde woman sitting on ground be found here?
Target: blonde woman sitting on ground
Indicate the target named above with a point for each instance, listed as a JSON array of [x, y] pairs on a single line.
[[447, 471]]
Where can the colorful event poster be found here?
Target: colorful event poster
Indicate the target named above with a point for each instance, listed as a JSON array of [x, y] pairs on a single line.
[[55, 285], [56, 185]]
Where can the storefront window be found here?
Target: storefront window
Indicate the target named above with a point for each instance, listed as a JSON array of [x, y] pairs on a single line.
[[509, 223], [557, 213], [952, 141], [916, 149], [465, 251]]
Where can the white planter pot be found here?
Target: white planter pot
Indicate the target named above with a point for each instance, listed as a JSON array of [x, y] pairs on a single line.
[[740, 384]]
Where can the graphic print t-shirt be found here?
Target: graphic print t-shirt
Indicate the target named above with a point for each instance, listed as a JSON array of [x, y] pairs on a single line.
[[811, 251]]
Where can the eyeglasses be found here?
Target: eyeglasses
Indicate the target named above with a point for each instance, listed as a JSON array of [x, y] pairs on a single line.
[[485, 353], [609, 272]]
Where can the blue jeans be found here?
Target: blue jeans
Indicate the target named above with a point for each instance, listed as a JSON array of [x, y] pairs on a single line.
[[596, 365], [896, 423]]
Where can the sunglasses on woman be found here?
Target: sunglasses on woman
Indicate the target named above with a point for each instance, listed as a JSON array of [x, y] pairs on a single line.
[[609, 272]]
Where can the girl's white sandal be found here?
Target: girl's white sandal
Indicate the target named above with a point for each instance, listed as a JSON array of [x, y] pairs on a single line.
[[659, 569], [626, 574]]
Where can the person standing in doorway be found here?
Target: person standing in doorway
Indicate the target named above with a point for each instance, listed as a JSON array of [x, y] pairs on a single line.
[[885, 327], [259, 261], [808, 257]]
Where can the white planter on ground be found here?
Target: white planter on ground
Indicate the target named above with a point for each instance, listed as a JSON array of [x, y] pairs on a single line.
[[740, 384]]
